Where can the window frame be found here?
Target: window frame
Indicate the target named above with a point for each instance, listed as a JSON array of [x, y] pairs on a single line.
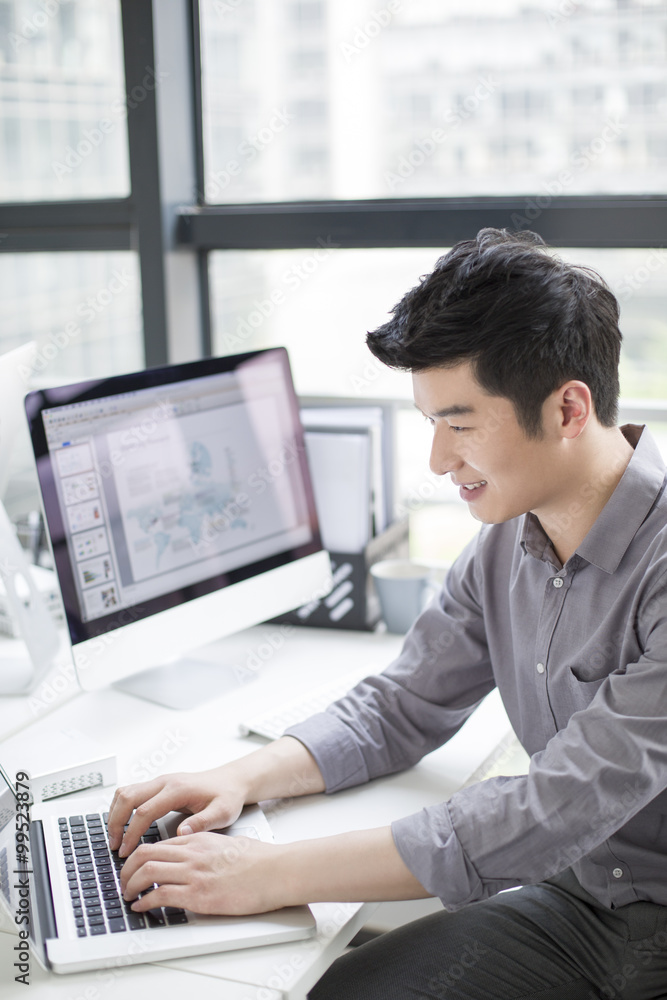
[[166, 221]]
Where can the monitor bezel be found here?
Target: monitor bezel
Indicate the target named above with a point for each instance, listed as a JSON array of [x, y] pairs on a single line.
[[42, 399]]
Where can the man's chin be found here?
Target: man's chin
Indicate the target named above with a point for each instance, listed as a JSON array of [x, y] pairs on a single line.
[[486, 517]]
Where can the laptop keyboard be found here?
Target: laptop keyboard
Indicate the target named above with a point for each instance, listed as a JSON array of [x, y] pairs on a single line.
[[93, 872]]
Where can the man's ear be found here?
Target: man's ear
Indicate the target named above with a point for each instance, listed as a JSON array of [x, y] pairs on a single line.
[[575, 407]]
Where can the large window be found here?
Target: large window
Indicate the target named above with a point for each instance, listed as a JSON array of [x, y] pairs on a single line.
[[62, 132], [83, 310], [357, 99], [218, 175]]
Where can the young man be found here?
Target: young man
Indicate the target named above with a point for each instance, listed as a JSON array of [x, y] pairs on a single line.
[[560, 602]]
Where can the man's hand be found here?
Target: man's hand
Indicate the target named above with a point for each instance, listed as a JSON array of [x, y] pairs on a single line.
[[206, 873], [214, 873], [215, 799]]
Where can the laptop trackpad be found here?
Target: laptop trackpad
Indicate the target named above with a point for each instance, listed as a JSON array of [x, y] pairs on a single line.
[[251, 823]]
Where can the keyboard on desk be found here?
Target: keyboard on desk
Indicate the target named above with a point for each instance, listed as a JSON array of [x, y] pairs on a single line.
[[274, 723], [93, 873]]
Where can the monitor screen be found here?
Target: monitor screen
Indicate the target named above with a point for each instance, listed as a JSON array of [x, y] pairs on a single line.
[[165, 486]]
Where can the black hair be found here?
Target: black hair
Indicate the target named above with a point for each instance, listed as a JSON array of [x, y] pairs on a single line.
[[524, 319]]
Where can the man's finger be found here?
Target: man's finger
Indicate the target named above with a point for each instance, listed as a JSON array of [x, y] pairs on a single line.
[[165, 850], [123, 804], [154, 873], [145, 813]]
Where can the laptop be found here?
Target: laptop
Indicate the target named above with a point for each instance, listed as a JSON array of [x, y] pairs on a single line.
[[61, 891]]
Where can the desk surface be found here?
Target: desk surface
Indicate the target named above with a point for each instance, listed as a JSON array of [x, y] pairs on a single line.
[[274, 665]]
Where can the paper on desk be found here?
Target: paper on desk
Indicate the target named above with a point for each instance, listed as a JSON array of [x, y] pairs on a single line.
[[341, 473]]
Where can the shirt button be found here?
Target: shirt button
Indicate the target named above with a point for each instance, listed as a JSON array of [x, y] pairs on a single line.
[[617, 873], [540, 668], [558, 582]]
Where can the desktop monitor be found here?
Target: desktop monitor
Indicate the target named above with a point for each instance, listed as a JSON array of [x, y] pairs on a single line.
[[180, 509]]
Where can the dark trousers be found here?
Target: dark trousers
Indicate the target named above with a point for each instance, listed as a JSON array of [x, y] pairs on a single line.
[[550, 941]]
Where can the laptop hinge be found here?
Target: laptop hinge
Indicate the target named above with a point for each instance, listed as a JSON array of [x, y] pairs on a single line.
[[44, 926]]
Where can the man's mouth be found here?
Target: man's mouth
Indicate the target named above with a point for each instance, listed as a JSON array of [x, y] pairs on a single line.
[[470, 491]]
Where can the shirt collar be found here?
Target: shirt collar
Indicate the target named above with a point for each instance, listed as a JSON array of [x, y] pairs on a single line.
[[607, 542]]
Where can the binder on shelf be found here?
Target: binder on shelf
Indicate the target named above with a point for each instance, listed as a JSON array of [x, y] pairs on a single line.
[[348, 448], [375, 425]]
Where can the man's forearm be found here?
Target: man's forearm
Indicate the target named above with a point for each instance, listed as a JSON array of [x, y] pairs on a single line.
[[362, 866], [283, 769]]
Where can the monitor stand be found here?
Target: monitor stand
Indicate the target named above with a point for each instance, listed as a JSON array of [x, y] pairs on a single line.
[[19, 674], [184, 684]]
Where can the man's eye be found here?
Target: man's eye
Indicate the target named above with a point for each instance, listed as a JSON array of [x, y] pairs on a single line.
[[457, 430]]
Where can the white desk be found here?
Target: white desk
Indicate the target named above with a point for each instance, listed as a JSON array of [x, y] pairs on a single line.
[[151, 740]]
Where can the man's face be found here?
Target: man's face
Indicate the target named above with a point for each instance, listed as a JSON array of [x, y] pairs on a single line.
[[477, 439]]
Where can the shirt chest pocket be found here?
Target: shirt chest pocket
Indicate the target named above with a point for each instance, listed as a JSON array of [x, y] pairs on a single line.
[[599, 659]]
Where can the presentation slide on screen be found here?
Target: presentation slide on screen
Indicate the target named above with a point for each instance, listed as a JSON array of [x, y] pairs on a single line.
[[198, 486]]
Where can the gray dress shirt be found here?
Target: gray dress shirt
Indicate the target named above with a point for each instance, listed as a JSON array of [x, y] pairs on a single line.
[[579, 655]]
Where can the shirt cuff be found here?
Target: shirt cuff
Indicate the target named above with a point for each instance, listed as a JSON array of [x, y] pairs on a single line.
[[434, 855], [334, 748]]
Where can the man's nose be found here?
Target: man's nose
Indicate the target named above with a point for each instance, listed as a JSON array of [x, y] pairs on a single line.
[[444, 455]]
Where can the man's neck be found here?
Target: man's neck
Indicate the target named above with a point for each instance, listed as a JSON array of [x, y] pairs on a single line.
[[598, 470]]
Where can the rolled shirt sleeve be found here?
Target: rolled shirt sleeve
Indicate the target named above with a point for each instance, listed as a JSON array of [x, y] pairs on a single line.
[[390, 721]]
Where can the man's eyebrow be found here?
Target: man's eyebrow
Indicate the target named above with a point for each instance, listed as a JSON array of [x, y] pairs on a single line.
[[458, 410]]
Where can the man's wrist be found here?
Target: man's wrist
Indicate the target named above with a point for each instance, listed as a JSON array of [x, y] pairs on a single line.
[[282, 769]]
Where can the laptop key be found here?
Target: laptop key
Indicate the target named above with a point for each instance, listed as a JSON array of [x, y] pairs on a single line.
[[154, 918], [81, 932], [176, 918], [98, 929], [116, 924], [114, 912], [96, 919], [135, 921]]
